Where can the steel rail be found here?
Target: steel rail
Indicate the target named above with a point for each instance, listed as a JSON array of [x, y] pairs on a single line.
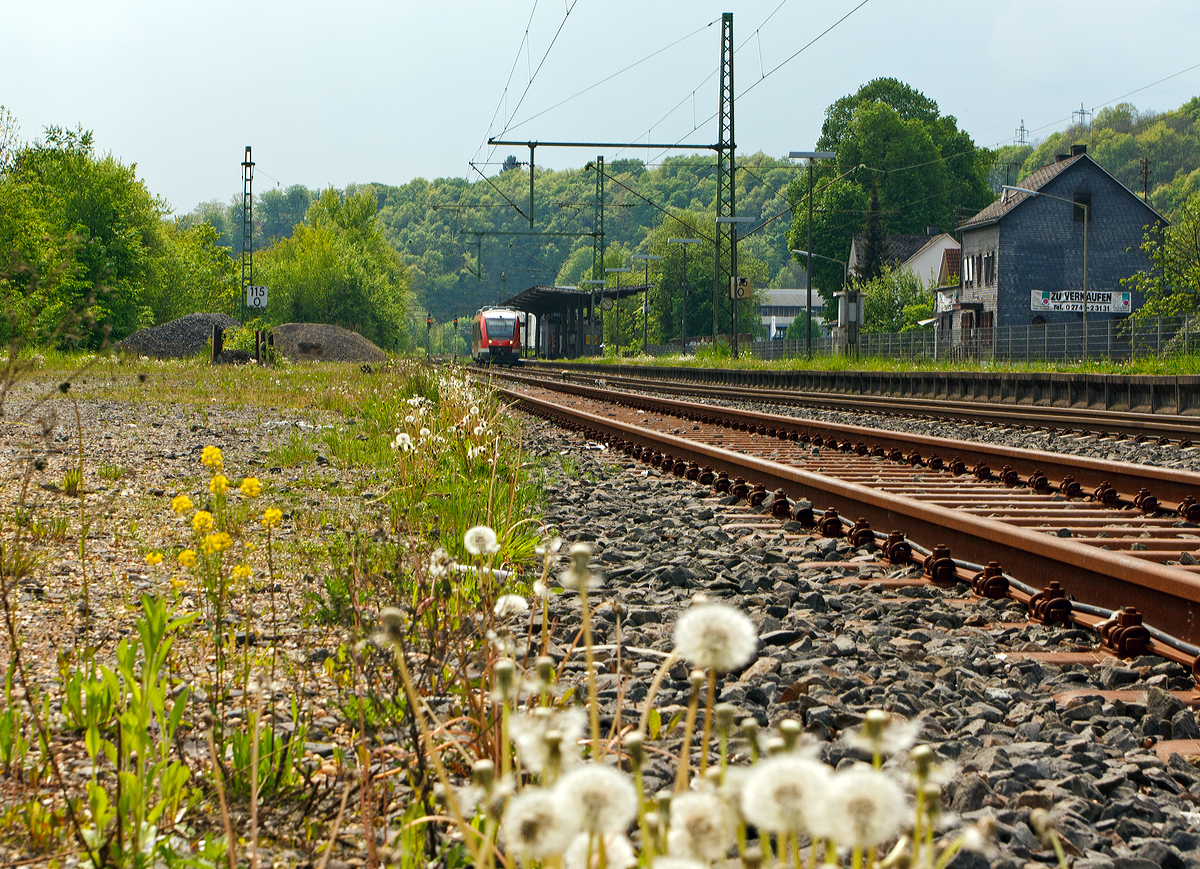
[[1167, 596], [1169, 487], [1004, 413]]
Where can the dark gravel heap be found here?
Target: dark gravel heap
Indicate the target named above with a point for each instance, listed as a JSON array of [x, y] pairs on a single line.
[[337, 344], [178, 339], [829, 652]]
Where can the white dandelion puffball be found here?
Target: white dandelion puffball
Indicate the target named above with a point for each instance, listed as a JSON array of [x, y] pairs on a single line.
[[598, 799], [700, 827], [618, 853], [510, 605], [480, 540], [715, 636], [678, 863], [866, 807], [781, 791], [529, 736], [534, 827]]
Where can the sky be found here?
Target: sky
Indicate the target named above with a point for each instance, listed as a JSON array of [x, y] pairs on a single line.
[[390, 90]]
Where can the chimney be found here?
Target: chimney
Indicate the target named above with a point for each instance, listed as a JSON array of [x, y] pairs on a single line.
[[933, 230], [1076, 150], [1058, 158]]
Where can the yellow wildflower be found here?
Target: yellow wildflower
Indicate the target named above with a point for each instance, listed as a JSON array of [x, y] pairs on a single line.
[[218, 542], [249, 547], [242, 571], [181, 504], [154, 558], [188, 558], [202, 522], [272, 517], [177, 583], [251, 487], [211, 457], [219, 484]]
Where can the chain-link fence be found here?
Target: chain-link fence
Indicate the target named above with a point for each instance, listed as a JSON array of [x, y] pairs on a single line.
[[1057, 342]]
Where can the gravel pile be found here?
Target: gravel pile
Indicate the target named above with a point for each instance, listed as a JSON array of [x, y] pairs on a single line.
[[178, 339], [1021, 733], [325, 343]]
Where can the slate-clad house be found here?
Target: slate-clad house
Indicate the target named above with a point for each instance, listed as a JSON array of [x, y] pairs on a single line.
[[1022, 256]]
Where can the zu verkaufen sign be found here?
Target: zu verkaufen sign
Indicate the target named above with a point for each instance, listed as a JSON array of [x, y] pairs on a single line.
[[1100, 301]]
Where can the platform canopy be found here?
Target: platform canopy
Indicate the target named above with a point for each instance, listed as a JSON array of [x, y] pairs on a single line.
[[537, 300]]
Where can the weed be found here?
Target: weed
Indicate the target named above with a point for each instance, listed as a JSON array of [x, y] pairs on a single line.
[[296, 451], [72, 480], [111, 472]]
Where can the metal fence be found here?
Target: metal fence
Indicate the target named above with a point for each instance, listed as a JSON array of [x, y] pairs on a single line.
[[1111, 339]]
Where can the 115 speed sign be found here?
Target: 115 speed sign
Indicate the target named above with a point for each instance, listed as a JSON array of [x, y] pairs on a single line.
[[256, 297]]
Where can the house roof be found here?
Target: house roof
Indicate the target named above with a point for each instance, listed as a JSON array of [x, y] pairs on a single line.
[[951, 263], [901, 248], [1038, 179], [794, 298]]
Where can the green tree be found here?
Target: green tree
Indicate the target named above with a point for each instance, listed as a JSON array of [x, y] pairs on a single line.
[[875, 244], [895, 301], [338, 268], [797, 330], [192, 273], [1171, 286], [838, 211]]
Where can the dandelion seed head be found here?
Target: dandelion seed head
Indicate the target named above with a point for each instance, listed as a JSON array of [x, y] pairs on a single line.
[[715, 636], [480, 540], [440, 563], [424, 432], [599, 798], [866, 807], [529, 735], [534, 827], [780, 792], [477, 431], [618, 853], [884, 735], [510, 605], [701, 828]]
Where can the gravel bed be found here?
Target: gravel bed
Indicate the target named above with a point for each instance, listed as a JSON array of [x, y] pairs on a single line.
[[178, 339], [830, 651], [1110, 449]]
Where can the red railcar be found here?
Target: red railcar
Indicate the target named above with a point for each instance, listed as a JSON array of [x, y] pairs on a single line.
[[496, 335]]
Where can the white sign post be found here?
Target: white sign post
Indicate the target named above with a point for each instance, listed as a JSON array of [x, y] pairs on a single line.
[[256, 298], [1100, 301]]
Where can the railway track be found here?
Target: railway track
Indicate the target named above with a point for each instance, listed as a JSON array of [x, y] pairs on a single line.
[[1161, 427], [1109, 546]]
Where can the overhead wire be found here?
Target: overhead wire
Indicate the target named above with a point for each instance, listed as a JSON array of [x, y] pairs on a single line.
[[504, 93], [607, 78]]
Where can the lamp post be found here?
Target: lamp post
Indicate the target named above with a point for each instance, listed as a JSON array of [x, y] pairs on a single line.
[[845, 271], [683, 285], [809, 157], [592, 301], [733, 269], [1087, 214], [617, 304], [647, 257]]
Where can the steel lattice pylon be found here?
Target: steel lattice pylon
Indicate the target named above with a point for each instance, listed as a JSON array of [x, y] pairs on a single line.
[[597, 251], [726, 248], [247, 228]]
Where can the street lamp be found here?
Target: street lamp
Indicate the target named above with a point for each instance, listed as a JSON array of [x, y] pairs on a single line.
[[683, 285], [617, 305], [809, 157], [733, 269], [592, 301], [646, 299], [1086, 218]]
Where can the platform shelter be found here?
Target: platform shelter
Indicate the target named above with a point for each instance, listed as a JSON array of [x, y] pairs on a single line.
[[564, 322]]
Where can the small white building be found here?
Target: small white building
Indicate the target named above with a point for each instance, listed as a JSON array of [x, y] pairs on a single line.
[[782, 306]]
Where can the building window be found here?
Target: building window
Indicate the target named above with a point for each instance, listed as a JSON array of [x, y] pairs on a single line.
[[1086, 200], [968, 275], [989, 268]]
